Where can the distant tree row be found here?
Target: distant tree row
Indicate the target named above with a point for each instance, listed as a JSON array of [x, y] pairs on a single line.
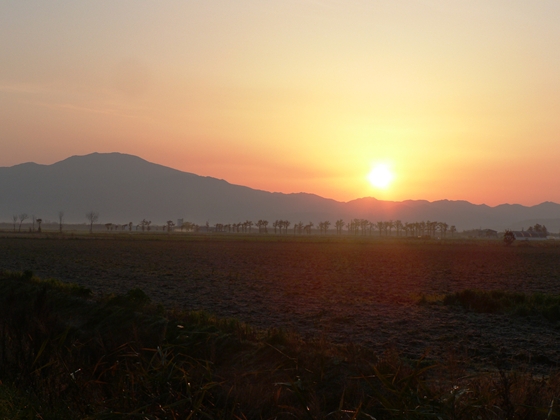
[[143, 225], [354, 227], [34, 220], [366, 227], [538, 228]]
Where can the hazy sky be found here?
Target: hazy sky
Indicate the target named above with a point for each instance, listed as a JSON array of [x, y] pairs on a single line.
[[461, 99]]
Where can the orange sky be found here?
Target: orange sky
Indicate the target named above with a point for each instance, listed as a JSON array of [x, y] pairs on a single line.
[[461, 99]]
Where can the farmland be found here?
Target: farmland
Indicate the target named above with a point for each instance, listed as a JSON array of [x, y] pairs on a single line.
[[339, 290]]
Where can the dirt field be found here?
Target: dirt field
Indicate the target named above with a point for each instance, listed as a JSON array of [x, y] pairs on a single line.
[[344, 291]]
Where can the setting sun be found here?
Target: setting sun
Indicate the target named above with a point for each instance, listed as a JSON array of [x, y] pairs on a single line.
[[381, 176]]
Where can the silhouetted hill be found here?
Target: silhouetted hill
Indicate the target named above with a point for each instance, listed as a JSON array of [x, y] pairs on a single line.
[[125, 188]]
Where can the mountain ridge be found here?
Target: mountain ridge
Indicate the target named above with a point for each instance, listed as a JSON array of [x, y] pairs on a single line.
[[123, 187]]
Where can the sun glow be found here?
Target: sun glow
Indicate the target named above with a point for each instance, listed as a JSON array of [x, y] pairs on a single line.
[[381, 176]]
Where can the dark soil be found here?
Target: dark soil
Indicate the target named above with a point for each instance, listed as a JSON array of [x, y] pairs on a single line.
[[343, 291]]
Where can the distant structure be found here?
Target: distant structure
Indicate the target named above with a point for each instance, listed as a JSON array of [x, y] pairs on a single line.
[[179, 222], [482, 233], [530, 235], [487, 233]]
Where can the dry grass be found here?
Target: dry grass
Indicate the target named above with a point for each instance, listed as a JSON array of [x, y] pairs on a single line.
[[65, 356]]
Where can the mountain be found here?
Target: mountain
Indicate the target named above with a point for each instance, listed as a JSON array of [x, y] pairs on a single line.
[[123, 188]]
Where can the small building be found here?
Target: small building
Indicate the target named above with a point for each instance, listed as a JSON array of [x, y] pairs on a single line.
[[487, 233], [528, 235]]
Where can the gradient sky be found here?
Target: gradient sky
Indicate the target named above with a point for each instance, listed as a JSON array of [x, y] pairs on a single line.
[[460, 98]]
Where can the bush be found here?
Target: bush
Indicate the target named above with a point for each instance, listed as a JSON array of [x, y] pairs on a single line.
[[509, 237]]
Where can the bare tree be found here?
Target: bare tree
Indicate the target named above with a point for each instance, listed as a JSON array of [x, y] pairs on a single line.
[[339, 225], [60, 216], [92, 217], [22, 217]]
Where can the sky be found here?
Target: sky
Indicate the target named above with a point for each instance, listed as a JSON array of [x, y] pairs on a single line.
[[459, 100]]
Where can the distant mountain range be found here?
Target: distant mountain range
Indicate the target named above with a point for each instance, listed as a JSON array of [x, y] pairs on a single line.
[[123, 188]]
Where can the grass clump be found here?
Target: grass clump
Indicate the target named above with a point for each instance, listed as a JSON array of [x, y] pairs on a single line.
[[64, 355], [499, 301]]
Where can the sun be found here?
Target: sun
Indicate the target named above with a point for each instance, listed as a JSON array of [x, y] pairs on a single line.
[[381, 176]]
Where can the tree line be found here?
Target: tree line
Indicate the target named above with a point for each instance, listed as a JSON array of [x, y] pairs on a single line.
[[18, 219], [354, 226], [361, 227]]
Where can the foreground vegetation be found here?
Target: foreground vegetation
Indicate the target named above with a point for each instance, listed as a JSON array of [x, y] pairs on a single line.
[[66, 355], [545, 306]]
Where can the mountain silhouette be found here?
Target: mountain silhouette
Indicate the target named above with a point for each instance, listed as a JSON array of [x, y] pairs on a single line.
[[123, 188]]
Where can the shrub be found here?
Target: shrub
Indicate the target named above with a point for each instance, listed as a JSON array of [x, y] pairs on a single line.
[[509, 237]]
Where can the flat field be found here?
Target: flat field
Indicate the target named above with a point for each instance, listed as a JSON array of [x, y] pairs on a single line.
[[342, 290]]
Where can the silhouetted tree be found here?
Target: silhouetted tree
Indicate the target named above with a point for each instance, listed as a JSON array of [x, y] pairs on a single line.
[[406, 228], [39, 225], [324, 226], [60, 216], [390, 226], [398, 227], [364, 226], [452, 229], [443, 229], [422, 228], [339, 224], [261, 225], [380, 226], [145, 224], [538, 228], [92, 217], [22, 217]]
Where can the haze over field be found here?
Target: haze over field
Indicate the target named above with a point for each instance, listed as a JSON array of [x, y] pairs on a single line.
[[124, 188], [410, 99]]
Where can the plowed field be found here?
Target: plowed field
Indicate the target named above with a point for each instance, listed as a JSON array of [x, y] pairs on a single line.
[[344, 291]]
